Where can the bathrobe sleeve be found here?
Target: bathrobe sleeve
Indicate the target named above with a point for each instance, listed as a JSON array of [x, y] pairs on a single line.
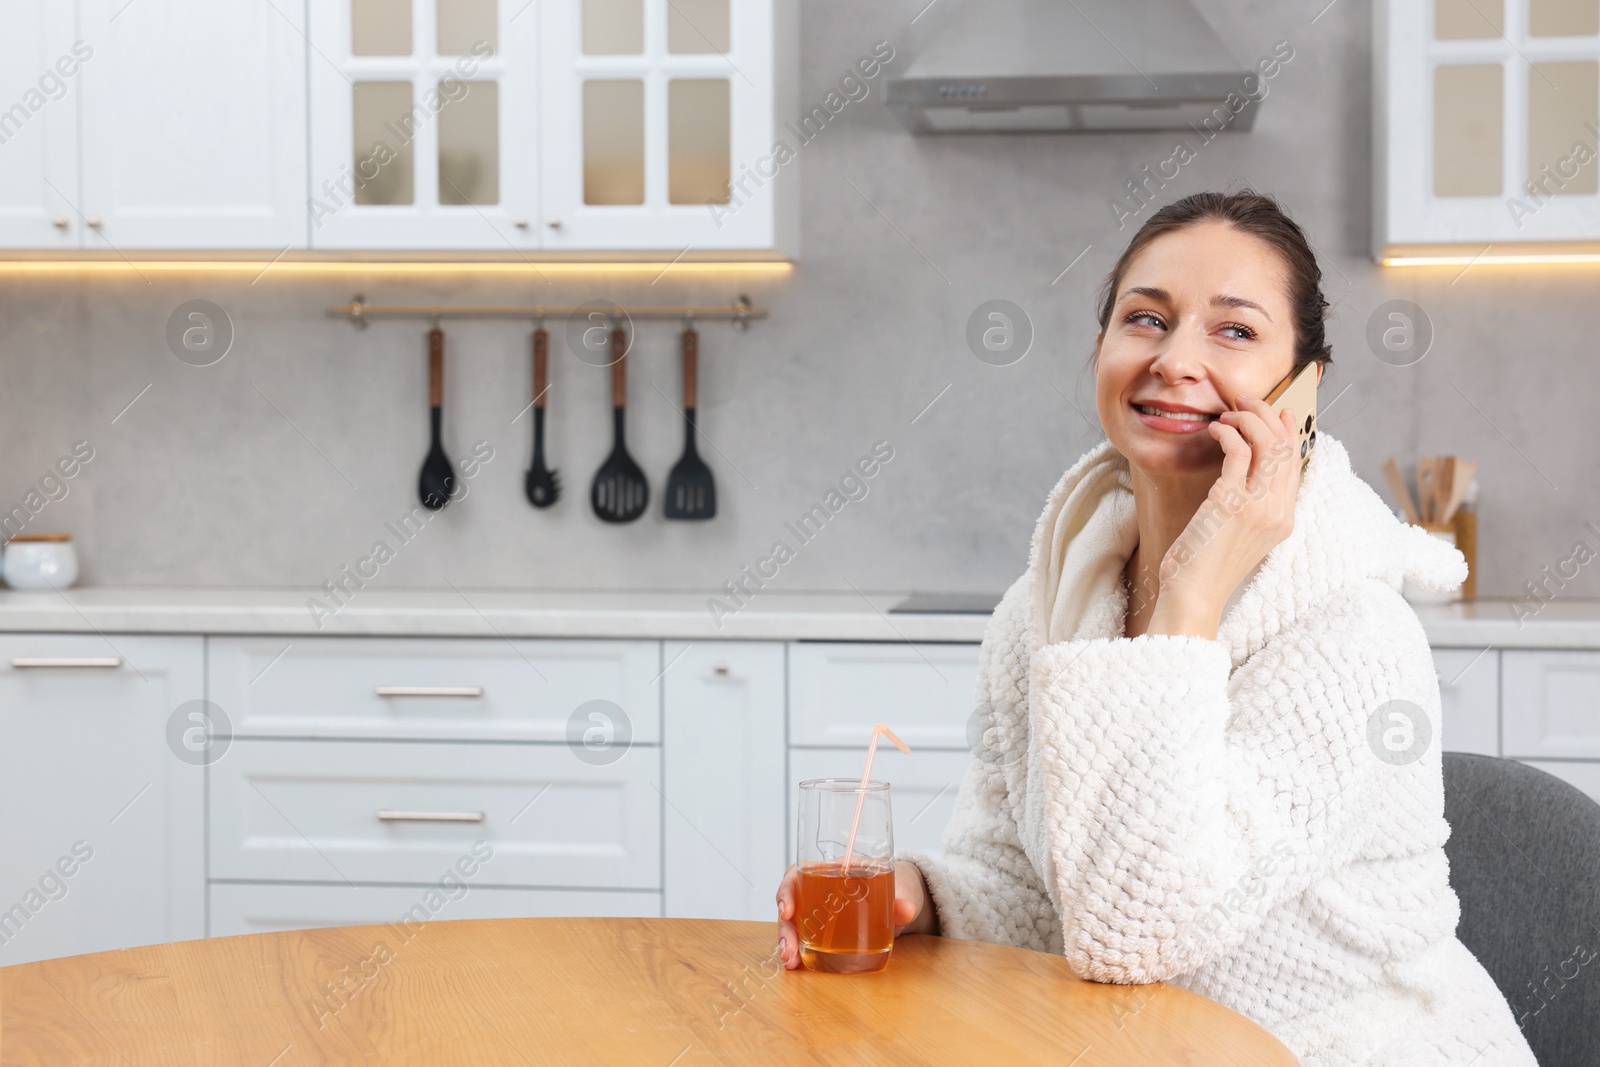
[[984, 886], [1180, 805]]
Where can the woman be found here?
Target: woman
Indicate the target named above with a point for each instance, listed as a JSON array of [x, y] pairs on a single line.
[[1188, 777]]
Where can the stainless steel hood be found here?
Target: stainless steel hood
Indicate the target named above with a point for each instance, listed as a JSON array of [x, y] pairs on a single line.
[[1073, 65]]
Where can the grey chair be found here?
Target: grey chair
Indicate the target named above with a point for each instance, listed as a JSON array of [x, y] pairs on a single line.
[[1524, 854]]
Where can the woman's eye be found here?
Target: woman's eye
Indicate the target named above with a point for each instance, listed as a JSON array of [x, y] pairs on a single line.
[[1244, 333], [1144, 318]]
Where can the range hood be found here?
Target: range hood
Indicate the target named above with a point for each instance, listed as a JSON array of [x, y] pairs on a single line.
[[1072, 65]]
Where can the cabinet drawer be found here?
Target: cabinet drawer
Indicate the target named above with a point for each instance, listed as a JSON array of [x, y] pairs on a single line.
[[924, 693], [430, 689], [1550, 703], [395, 811], [239, 908], [1469, 691], [922, 794]]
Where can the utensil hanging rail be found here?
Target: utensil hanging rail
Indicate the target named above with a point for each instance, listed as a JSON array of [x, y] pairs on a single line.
[[359, 312]]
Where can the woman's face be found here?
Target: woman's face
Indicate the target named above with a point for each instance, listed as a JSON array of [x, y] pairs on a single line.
[[1201, 315]]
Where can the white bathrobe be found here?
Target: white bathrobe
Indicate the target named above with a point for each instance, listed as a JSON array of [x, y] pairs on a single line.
[[1223, 814]]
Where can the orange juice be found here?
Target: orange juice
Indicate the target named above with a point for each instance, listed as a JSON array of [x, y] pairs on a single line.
[[845, 918]]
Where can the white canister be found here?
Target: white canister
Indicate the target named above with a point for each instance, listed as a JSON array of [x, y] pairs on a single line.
[[40, 561], [1417, 594]]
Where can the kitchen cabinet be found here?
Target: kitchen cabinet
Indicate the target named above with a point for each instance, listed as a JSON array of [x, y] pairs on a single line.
[[101, 819], [363, 777], [425, 130], [193, 118], [723, 764], [588, 126], [485, 126], [841, 689], [652, 109], [1550, 703], [39, 92], [402, 812], [418, 688], [1486, 120], [1469, 695]]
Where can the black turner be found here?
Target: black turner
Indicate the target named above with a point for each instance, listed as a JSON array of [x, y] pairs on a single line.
[[691, 492]]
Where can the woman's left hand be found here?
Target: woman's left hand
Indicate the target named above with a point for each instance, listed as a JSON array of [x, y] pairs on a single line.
[[1249, 509]]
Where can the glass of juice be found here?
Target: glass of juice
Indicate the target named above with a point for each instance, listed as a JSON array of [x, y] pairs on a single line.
[[844, 914]]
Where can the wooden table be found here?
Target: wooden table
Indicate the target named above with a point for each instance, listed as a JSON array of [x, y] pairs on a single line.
[[639, 992]]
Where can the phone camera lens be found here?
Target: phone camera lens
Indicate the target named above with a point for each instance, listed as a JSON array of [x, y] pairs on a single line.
[[1308, 425]]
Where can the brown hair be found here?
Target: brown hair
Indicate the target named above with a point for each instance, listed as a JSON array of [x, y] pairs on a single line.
[[1261, 217]]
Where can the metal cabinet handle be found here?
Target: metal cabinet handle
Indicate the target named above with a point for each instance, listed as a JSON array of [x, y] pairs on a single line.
[[60, 222], [21, 662], [95, 222], [722, 670], [430, 690], [430, 816]]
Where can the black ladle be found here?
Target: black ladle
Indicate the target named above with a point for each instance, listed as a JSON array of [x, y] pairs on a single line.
[[543, 486], [437, 479], [620, 492]]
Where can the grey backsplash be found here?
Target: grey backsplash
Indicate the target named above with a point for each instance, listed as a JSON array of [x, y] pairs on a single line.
[[282, 463]]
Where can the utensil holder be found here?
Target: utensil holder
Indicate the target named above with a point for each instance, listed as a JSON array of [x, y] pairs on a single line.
[[1416, 594], [1465, 522]]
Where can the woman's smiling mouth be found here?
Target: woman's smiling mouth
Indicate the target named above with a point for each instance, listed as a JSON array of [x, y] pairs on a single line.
[[1175, 419]]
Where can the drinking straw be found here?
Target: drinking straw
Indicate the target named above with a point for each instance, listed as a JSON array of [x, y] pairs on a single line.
[[861, 794]]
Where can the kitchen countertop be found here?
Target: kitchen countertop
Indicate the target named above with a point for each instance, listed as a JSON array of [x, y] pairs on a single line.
[[1569, 623]]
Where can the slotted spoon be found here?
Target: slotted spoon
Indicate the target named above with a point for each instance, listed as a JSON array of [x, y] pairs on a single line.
[[691, 492], [620, 492]]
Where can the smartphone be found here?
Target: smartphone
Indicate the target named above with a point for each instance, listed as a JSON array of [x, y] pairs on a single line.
[[1299, 391]]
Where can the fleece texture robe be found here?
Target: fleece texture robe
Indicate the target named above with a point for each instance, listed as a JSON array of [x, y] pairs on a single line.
[[1258, 818]]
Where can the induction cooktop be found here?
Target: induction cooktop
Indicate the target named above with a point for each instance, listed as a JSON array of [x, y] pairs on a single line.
[[947, 604]]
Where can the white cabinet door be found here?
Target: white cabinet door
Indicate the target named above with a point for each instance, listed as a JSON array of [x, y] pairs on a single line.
[[839, 689], [651, 110], [1484, 126], [101, 822], [247, 908], [424, 134], [1551, 704], [1469, 690], [194, 119], [723, 751], [41, 64], [922, 787]]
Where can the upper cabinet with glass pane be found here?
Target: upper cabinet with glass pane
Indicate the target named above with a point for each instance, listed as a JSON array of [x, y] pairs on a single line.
[[585, 125], [1486, 126], [659, 123], [424, 126]]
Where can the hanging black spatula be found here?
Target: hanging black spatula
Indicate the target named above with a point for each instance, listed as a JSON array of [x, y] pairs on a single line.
[[543, 486], [437, 479], [620, 492], [691, 494]]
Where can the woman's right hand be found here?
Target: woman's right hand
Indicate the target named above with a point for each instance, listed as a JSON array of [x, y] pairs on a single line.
[[913, 910]]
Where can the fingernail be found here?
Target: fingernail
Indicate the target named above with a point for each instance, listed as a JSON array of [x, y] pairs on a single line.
[[783, 946]]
